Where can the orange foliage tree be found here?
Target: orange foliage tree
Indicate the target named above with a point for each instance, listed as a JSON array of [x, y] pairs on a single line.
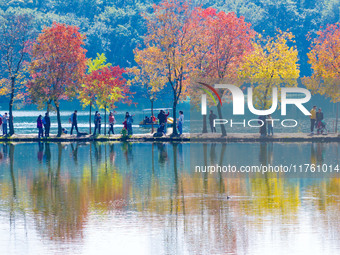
[[58, 66], [170, 31], [149, 79], [324, 58]]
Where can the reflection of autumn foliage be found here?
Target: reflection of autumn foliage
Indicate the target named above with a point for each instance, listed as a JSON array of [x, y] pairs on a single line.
[[324, 197], [109, 190], [274, 195], [62, 204], [327, 193], [191, 209], [60, 207]]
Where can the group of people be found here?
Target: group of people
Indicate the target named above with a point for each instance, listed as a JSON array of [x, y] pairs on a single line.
[[97, 119], [127, 123], [317, 121], [163, 120], [150, 120], [44, 124], [3, 123]]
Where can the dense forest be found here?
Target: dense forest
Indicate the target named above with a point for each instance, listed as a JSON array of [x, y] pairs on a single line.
[[116, 27]]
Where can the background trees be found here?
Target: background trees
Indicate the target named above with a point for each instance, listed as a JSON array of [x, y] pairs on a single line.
[[15, 33], [58, 66], [196, 42], [324, 58], [115, 27]]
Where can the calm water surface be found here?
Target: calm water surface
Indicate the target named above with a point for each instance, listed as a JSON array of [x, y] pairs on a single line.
[[120, 198]]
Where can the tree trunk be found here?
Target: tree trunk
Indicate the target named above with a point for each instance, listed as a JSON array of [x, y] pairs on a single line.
[[205, 130], [11, 126], [337, 117], [58, 120], [48, 106], [174, 127], [152, 130], [90, 117], [219, 110], [105, 121]]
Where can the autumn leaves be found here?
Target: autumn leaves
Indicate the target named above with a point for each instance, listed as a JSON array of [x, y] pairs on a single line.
[[183, 45], [186, 45], [58, 71]]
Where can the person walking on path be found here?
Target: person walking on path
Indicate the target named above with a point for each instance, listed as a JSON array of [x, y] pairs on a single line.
[[319, 118], [270, 125], [47, 124], [99, 122], [95, 121], [160, 117], [180, 122], [212, 117], [129, 121], [74, 122], [163, 118], [263, 127], [112, 121], [312, 119], [40, 127], [4, 124]]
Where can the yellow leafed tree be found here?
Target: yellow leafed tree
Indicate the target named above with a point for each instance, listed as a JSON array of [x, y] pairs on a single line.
[[271, 64], [147, 74]]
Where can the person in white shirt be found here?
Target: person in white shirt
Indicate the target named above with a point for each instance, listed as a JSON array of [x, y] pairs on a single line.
[[180, 122]]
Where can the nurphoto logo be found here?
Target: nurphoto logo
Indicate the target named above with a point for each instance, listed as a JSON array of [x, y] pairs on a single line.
[[238, 100]]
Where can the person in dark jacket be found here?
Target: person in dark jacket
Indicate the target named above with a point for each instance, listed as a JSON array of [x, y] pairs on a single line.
[[99, 122], [129, 121], [263, 128], [212, 117], [319, 118], [95, 121], [4, 123], [74, 122], [47, 124], [162, 118], [40, 127]]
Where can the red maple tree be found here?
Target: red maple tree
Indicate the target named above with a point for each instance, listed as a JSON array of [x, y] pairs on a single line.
[[106, 86], [58, 66]]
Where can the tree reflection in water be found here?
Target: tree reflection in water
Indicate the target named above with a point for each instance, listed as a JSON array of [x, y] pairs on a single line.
[[157, 183]]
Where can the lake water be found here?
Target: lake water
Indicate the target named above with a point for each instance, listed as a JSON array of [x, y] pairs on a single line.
[[141, 198]]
